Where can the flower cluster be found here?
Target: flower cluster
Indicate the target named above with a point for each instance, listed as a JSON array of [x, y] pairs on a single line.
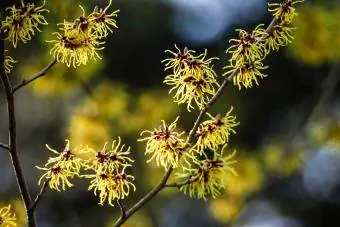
[[79, 41], [215, 132], [23, 22], [208, 176], [108, 178], [106, 169], [250, 49], [7, 219], [281, 33], [165, 145], [204, 175], [247, 50], [192, 77]]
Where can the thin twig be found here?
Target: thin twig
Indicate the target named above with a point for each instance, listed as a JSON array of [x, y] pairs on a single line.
[[38, 197], [4, 146], [180, 184], [13, 139], [145, 199], [35, 76], [164, 180], [122, 209]]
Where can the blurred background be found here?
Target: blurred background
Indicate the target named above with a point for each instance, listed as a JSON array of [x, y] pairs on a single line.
[[287, 143]]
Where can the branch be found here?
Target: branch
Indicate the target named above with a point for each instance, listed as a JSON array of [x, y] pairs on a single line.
[[226, 81], [180, 184], [162, 184], [13, 140], [36, 76], [4, 146], [38, 198], [122, 209], [145, 199]]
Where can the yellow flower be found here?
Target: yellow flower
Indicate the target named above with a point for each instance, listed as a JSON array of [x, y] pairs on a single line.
[[81, 24], [285, 12], [123, 184], [208, 177], [314, 40], [79, 41], [98, 23], [57, 176], [108, 159], [247, 47], [165, 144], [214, 132], [66, 159], [247, 73], [8, 61], [252, 176], [7, 219], [195, 87], [179, 60], [75, 48], [89, 130], [280, 36], [102, 21], [110, 186], [170, 154], [193, 77], [23, 22], [225, 209], [187, 62]]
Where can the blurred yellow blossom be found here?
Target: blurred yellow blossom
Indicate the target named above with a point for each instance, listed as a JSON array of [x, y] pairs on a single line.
[[326, 131], [153, 103], [251, 176], [316, 40], [88, 130], [226, 208], [59, 81], [276, 158], [140, 219]]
